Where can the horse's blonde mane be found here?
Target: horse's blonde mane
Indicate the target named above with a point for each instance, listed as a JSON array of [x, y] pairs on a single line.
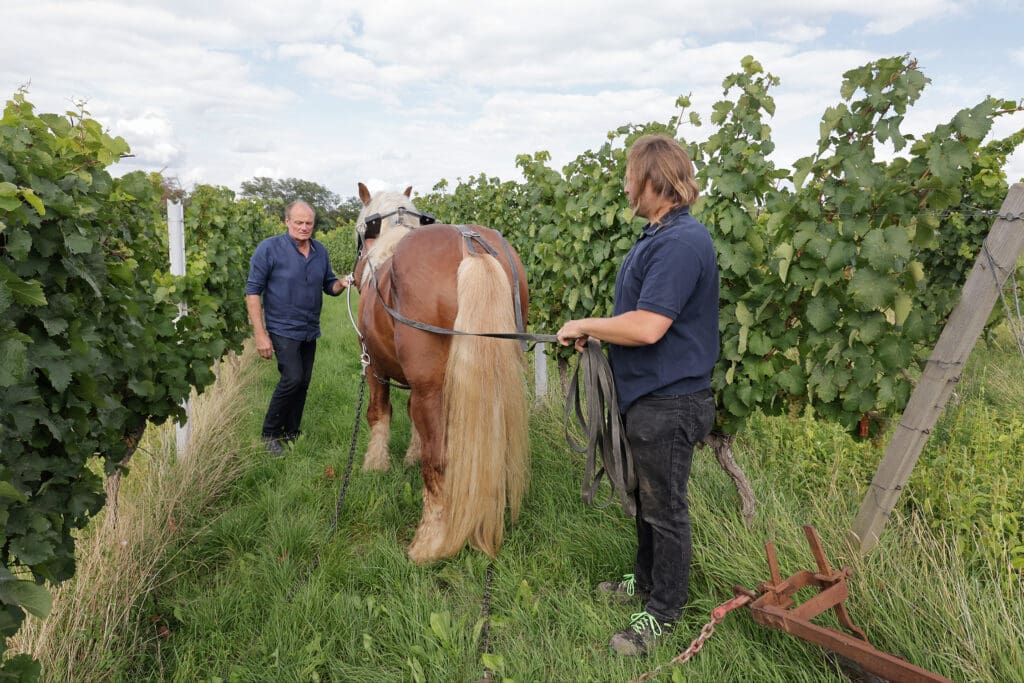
[[384, 247]]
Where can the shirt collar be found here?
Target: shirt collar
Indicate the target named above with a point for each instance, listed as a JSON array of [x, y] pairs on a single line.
[[672, 214], [312, 244]]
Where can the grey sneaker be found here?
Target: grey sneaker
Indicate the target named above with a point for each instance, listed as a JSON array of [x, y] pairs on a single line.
[[641, 636], [625, 590], [274, 447]]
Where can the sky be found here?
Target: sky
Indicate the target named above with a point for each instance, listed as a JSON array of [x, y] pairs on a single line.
[[408, 92]]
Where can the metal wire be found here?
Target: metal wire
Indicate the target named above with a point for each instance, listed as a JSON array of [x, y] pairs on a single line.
[[1016, 322]]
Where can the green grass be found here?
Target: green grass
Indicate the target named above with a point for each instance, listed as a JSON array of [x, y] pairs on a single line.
[[934, 592]]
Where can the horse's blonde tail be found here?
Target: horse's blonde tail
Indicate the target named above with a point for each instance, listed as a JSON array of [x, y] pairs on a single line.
[[487, 445]]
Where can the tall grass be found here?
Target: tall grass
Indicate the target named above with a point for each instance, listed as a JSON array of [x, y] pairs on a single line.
[[368, 614], [105, 613]]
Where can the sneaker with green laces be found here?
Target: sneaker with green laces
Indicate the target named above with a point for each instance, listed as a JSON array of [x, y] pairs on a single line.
[[641, 635], [624, 590]]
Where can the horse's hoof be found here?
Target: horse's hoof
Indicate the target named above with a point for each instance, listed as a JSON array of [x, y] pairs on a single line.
[[420, 555], [370, 466], [428, 545]]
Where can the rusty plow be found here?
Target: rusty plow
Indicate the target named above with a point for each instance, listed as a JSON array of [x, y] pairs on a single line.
[[773, 605]]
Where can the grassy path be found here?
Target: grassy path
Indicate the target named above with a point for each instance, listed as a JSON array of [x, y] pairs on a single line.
[[368, 614]]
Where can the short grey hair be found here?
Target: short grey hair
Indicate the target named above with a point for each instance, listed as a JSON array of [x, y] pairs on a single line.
[[297, 202]]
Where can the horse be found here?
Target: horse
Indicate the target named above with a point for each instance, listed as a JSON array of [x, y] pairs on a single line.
[[467, 393]]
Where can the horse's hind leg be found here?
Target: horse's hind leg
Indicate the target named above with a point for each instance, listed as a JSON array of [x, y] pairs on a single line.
[[412, 454], [428, 419], [378, 414]]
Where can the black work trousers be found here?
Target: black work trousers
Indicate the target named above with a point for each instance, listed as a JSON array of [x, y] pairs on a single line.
[[662, 433], [295, 362]]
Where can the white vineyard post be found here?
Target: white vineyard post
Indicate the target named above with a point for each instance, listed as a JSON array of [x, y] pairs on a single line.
[[176, 242]]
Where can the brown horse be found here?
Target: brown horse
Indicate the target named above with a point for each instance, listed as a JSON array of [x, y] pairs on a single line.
[[467, 395]]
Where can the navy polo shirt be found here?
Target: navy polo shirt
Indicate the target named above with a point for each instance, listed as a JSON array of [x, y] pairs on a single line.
[[671, 270], [292, 285]]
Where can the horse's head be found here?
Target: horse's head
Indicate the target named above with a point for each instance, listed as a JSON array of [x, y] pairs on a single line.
[[386, 210], [385, 218]]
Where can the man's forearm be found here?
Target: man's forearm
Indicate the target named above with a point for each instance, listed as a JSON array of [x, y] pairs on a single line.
[[254, 305], [633, 328]]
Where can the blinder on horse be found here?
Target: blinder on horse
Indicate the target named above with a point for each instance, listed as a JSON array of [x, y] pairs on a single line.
[[373, 221]]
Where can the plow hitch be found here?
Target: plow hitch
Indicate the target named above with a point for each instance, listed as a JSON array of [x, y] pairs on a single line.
[[774, 606]]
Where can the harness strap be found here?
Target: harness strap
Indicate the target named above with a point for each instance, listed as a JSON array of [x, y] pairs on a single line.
[[607, 450], [471, 237]]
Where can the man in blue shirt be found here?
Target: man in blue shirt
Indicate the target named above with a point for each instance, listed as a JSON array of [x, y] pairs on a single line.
[[288, 275], [662, 345]]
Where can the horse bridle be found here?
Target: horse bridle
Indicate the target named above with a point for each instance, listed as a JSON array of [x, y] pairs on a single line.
[[372, 223]]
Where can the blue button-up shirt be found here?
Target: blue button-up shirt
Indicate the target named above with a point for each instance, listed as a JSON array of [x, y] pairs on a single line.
[[671, 270], [292, 285]]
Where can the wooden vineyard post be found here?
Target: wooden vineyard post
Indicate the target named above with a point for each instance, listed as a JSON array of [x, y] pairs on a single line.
[[994, 265]]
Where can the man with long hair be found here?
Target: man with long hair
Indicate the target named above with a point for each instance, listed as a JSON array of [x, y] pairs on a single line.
[[662, 345]]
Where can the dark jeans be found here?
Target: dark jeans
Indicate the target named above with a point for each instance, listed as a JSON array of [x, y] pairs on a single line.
[[662, 432], [295, 362]]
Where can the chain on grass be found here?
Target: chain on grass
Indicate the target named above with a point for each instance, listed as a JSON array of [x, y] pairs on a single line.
[[717, 615]]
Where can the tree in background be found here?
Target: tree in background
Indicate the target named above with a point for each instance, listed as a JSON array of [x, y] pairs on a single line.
[[274, 194]]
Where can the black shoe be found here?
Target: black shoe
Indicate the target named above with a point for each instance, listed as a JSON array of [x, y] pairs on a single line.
[[641, 636], [624, 590], [274, 447]]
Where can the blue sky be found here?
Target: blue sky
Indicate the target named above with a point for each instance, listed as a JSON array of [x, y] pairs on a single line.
[[406, 93]]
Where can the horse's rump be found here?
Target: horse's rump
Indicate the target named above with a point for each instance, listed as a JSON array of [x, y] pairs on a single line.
[[438, 277], [467, 395]]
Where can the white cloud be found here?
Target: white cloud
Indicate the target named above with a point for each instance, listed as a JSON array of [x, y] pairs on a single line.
[[329, 62], [799, 33], [267, 172], [150, 124], [338, 91], [152, 139], [253, 144]]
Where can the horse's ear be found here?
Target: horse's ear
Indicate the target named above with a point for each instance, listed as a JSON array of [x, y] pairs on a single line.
[[364, 194], [408, 191]]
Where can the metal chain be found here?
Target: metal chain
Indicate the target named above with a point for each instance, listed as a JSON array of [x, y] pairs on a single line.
[[485, 613], [717, 615]]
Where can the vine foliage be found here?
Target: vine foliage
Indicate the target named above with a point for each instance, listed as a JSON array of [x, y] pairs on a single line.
[[837, 273], [92, 348]]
